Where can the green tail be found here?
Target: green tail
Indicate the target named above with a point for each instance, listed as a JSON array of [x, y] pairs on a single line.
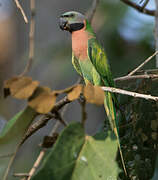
[[111, 113]]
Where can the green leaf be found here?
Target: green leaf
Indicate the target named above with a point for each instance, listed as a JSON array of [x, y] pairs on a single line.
[[76, 156], [11, 137]]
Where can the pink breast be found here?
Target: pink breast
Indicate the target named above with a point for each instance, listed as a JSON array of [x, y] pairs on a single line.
[[80, 44]]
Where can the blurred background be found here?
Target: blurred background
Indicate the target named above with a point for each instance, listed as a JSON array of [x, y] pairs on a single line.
[[126, 35]]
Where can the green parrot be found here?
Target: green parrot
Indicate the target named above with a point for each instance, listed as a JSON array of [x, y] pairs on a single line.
[[89, 60]]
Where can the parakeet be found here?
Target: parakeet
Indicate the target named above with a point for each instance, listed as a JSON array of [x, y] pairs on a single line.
[[89, 60]]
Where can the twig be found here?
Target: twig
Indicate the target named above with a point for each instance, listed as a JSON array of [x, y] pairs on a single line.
[[58, 117], [55, 127], [43, 151], [141, 65], [60, 104], [21, 9], [148, 71], [145, 4], [139, 8], [36, 164], [144, 76], [21, 174], [83, 109], [35, 127], [130, 93], [92, 10], [31, 39]]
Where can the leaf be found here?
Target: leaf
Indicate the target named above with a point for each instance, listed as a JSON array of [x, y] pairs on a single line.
[[75, 93], [43, 100], [20, 87], [11, 136], [76, 156], [94, 94]]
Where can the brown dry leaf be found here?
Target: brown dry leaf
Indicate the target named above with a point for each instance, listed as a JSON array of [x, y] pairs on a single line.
[[94, 94], [66, 90], [75, 93], [154, 125], [21, 87], [7, 85], [43, 100]]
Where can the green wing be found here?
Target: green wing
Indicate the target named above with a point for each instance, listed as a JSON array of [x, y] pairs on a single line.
[[86, 69], [98, 58]]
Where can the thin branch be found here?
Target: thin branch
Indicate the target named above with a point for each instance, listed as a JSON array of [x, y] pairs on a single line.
[[37, 162], [83, 110], [21, 10], [92, 10], [145, 4], [43, 151], [35, 127], [139, 8], [144, 76], [141, 65], [130, 93], [21, 175], [60, 104], [148, 71], [31, 39]]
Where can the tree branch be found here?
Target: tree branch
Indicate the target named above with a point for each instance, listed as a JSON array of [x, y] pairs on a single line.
[[92, 10], [141, 65], [130, 93], [145, 4], [144, 76], [21, 10], [36, 164], [31, 39], [139, 8]]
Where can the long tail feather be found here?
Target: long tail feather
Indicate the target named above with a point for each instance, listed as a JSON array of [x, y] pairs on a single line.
[[111, 113]]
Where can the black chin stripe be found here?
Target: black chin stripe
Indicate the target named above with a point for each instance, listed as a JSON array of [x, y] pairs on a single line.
[[76, 26]]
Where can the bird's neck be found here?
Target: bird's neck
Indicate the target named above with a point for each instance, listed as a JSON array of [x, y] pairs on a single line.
[[80, 43]]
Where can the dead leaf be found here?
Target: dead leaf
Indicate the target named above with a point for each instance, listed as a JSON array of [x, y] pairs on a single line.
[[94, 94], [20, 87], [43, 100], [75, 93], [7, 85]]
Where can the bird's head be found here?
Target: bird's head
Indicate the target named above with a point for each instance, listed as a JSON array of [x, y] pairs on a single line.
[[72, 21]]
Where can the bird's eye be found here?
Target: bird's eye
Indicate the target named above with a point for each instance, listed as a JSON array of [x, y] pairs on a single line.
[[67, 15], [71, 15]]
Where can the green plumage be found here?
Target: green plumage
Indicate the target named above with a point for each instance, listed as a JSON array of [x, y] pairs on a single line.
[[89, 60], [95, 69]]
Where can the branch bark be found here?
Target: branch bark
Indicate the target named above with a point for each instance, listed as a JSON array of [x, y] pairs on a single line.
[[142, 64], [130, 93], [31, 39], [92, 10], [139, 8], [21, 10], [144, 76]]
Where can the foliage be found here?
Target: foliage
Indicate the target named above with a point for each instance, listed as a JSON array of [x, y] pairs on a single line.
[[11, 137], [75, 153]]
